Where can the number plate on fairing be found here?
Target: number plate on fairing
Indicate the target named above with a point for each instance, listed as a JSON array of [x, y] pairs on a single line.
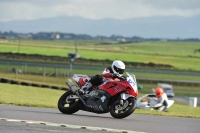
[[132, 81]]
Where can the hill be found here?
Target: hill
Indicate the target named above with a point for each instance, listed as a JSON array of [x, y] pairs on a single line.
[[152, 27]]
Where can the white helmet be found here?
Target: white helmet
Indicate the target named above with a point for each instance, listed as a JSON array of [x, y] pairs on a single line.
[[118, 67]]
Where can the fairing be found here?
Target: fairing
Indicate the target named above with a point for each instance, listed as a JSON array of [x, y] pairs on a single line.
[[116, 86]]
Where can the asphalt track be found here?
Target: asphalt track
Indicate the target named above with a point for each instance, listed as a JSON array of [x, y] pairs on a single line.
[[21, 119]]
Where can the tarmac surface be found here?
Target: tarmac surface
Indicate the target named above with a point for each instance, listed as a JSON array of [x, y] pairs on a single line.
[[21, 119]]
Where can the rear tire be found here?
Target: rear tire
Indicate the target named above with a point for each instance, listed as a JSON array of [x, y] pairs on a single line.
[[119, 110], [68, 106]]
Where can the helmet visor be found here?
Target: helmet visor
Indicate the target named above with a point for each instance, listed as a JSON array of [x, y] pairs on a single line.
[[118, 70], [157, 93]]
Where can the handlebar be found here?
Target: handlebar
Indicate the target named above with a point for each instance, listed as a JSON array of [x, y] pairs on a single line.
[[122, 78]]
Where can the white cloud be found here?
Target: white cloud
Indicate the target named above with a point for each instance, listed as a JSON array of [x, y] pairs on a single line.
[[96, 9]]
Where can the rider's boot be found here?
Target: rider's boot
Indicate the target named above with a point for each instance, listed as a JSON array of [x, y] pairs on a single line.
[[85, 87]]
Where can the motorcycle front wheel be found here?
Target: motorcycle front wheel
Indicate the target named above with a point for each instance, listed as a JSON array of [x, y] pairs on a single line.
[[66, 105], [122, 108]]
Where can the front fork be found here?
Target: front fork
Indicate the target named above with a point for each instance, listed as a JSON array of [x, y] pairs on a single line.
[[124, 96], [123, 103]]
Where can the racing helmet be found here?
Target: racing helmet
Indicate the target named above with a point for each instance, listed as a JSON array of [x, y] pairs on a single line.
[[118, 67], [159, 92]]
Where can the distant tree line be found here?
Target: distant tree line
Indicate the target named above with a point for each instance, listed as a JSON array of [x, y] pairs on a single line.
[[71, 36]]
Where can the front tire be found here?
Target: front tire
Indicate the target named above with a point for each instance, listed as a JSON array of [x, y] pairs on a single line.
[[68, 106], [122, 108]]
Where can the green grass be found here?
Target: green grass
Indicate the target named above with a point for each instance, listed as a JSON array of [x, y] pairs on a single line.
[[147, 87], [29, 96], [58, 81], [40, 97], [178, 54], [65, 71], [178, 110]]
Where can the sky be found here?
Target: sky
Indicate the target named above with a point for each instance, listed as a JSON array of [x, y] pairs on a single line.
[[96, 9]]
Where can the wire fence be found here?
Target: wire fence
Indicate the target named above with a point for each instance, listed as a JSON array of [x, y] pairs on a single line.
[[55, 70], [35, 70]]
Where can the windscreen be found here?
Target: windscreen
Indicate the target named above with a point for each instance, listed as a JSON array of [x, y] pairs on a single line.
[[167, 89]]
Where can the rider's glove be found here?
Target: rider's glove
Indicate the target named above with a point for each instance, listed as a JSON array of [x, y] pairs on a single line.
[[123, 78], [112, 75]]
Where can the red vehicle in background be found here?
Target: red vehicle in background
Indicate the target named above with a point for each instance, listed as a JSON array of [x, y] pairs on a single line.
[[115, 95]]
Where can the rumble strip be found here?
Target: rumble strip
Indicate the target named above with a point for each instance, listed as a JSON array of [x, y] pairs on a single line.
[[70, 126]]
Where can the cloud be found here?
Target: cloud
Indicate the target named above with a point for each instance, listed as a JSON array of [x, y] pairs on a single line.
[[96, 9]]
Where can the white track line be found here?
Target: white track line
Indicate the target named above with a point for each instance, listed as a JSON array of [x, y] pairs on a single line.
[[70, 126]]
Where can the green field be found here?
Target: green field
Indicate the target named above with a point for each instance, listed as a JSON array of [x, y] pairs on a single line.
[[188, 91], [40, 97], [29, 96], [5, 70], [178, 54]]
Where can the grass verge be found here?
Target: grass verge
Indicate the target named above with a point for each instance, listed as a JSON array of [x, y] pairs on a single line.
[[42, 97], [29, 96], [179, 90]]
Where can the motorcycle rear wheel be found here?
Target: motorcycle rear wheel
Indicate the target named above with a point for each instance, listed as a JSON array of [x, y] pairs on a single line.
[[68, 106], [119, 110]]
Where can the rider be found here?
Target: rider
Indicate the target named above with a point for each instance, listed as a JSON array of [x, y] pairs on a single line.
[[162, 100], [114, 71]]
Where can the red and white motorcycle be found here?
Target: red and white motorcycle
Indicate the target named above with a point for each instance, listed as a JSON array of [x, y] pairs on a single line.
[[117, 96]]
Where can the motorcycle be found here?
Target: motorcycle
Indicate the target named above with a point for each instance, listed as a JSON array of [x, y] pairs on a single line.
[[149, 100], [114, 95]]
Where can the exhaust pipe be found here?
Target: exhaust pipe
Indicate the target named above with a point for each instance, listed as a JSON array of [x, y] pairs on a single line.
[[74, 89]]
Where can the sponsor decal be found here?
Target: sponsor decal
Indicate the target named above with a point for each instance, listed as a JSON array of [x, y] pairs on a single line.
[[131, 82], [92, 93], [123, 84], [100, 108], [95, 94], [96, 108], [103, 98], [117, 89]]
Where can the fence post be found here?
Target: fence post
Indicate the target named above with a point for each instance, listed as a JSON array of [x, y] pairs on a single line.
[[62, 74], [65, 71], [16, 74], [44, 73], [7, 68], [22, 68], [25, 69], [56, 72]]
